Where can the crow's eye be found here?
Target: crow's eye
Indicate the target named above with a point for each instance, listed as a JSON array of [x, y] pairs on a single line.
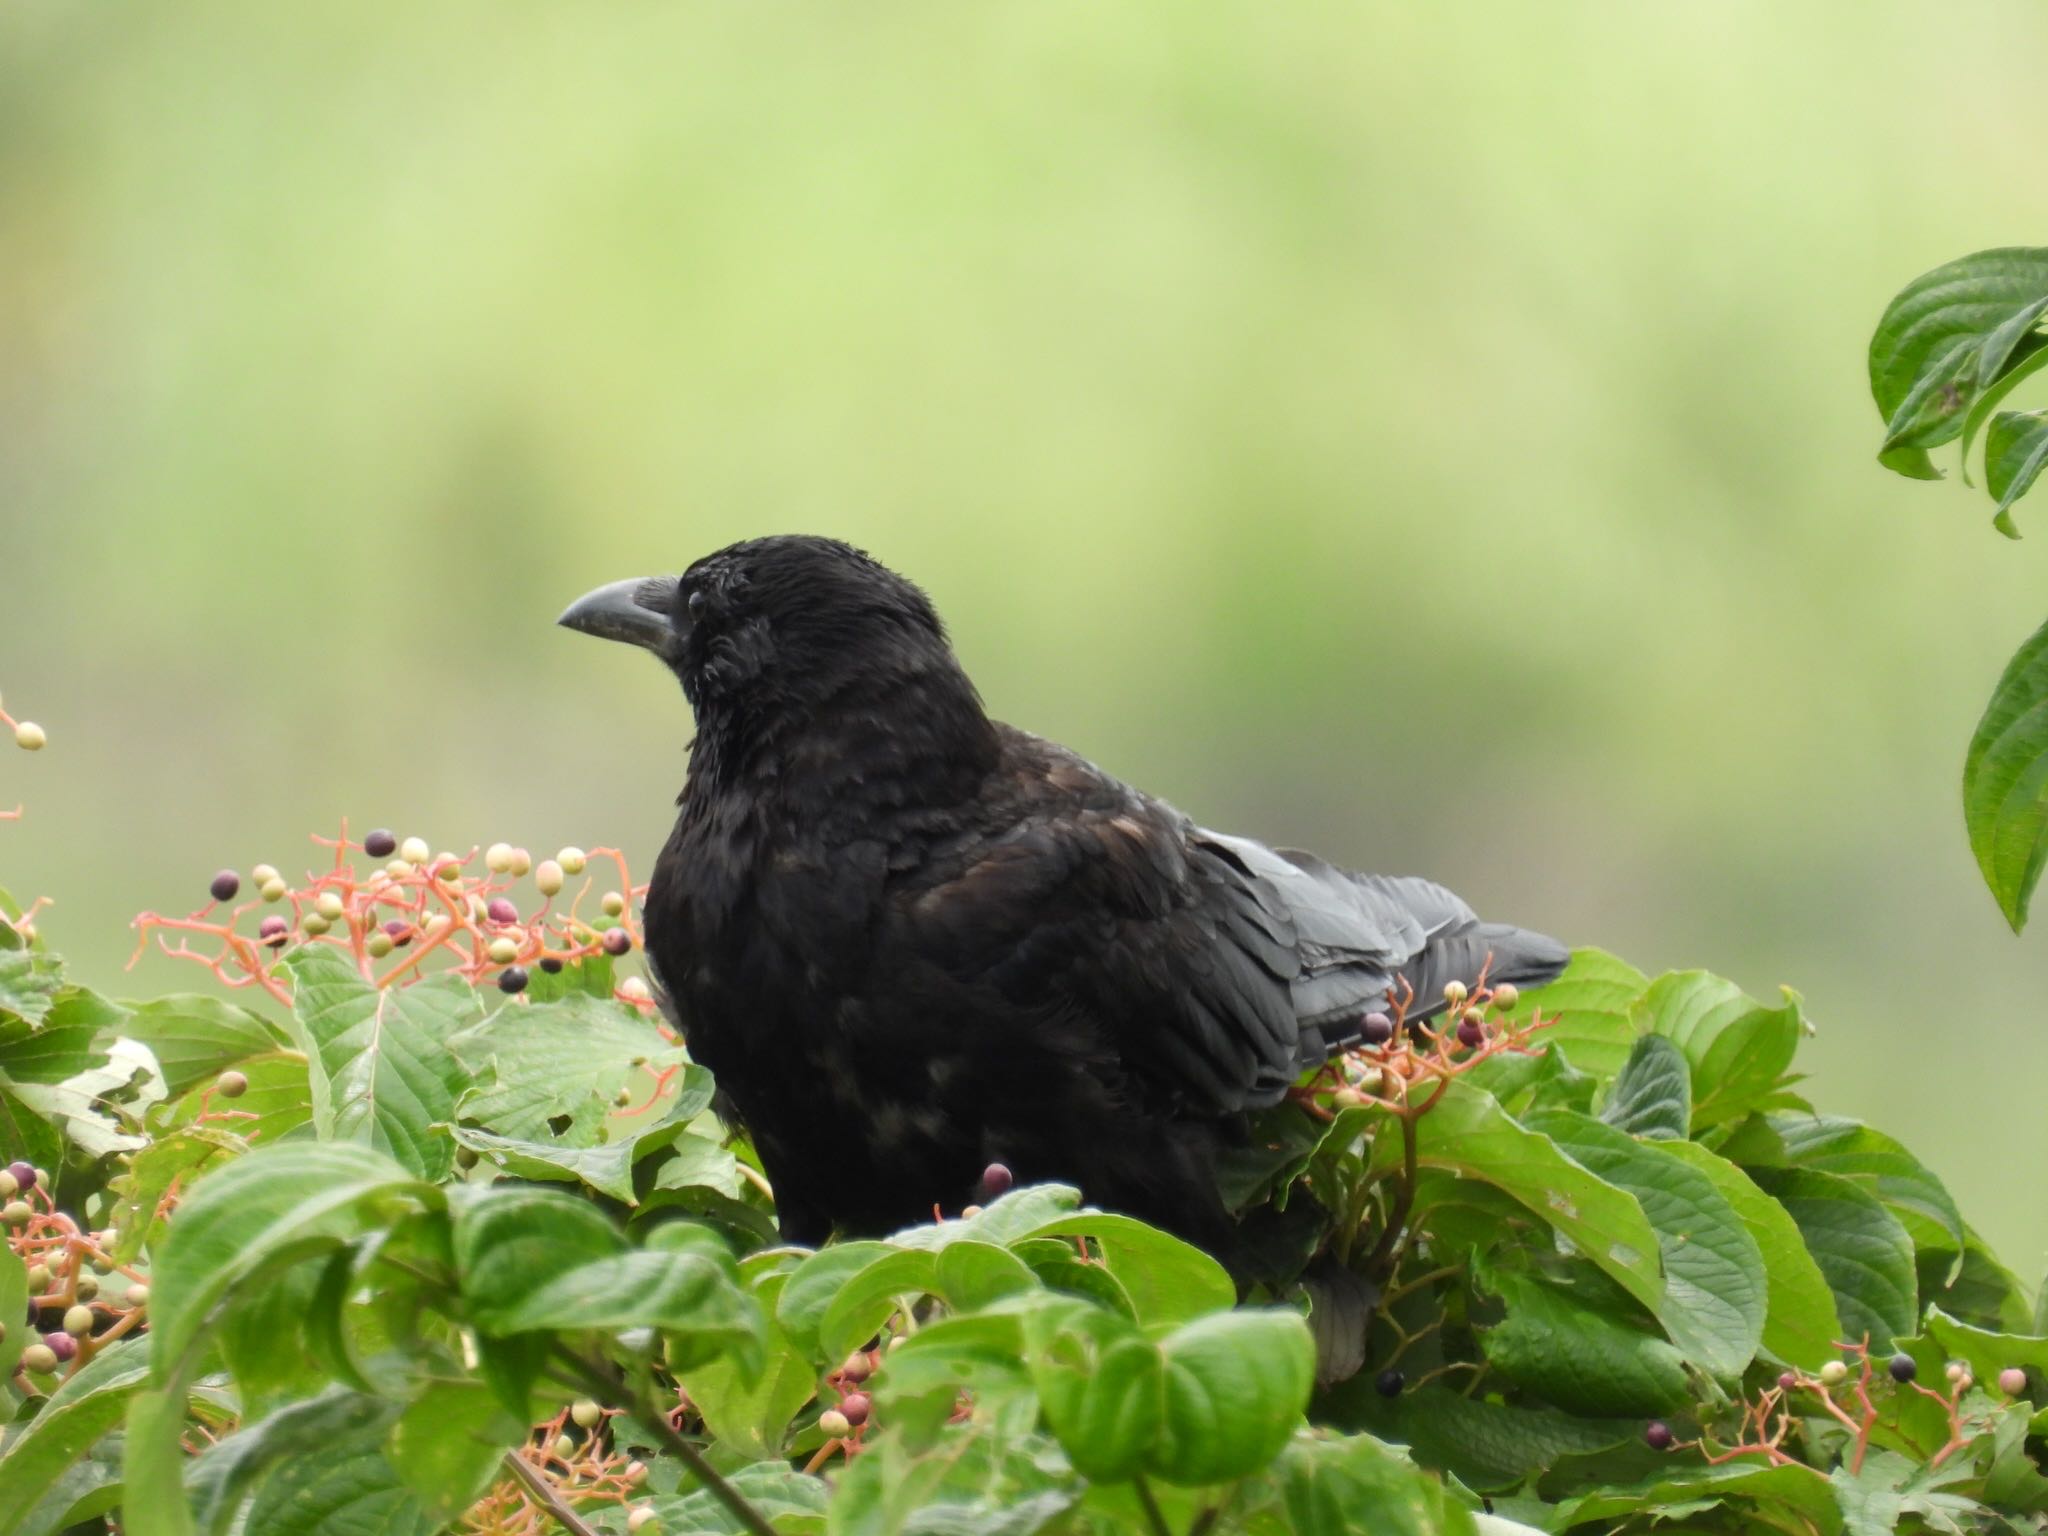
[[698, 603]]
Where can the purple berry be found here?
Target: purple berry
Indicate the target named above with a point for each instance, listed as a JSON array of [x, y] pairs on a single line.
[[62, 1345], [24, 1175], [512, 979], [996, 1179], [1657, 1435], [380, 844], [856, 1406], [502, 912], [1787, 1380], [1389, 1383], [617, 941], [398, 932], [1378, 1029], [225, 885], [1471, 1036], [551, 965], [273, 930], [1902, 1368]]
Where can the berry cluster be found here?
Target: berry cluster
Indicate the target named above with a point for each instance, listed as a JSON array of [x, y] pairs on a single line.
[[1395, 1057], [567, 1461], [416, 905], [76, 1305]]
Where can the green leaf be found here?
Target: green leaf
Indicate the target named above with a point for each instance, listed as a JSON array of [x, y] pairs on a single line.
[[448, 1445], [76, 1415], [1881, 1165], [24, 1134], [66, 1041], [29, 982], [1800, 1324], [196, 1038], [1101, 1383], [338, 1491], [219, 1482], [815, 1285], [749, 1409], [701, 1163], [1488, 1445], [1738, 1049], [607, 1169], [1570, 1351], [2005, 781], [867, 1297], [1653, 1096], [1236, 1385], [1591, 1002], [1714, 1291], [1470, 1135], [386, 1074], [2028, 358], [13, 1303], [251, 1216], [790, 1499], [1166, 1279], [1791, 1491], [1361, 1484], [2014, 452], [679, 1293], [536, 1067], [1948, 336], [153, 1465], [1858, 1244], [508, 1240]]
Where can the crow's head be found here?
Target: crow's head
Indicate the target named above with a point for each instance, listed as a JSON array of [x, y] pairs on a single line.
[[778, 626]]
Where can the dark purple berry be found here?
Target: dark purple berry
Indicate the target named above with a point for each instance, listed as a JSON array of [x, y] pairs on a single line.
[[62, 1345], [399, 932], [1378, 1029], [380, 844], [24, 1175], [617, 941], [996, 1179], [1902, 1368], [1390, 1382], [856, 1406], [512, 979], [551, 965], [225, 885], [1471, 1036], [502, 912], [273, 930], [1657, 1435]]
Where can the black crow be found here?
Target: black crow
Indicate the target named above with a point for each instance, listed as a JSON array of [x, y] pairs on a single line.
[[911, 941]]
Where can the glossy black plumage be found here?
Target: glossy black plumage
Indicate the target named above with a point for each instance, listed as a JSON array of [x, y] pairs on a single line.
[[910, 940]]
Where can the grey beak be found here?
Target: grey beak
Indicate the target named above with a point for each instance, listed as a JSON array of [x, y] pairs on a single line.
[[637, 611]]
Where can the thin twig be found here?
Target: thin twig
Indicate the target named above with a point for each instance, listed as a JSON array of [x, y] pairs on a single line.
[[549, 1495], [1153, 1514]]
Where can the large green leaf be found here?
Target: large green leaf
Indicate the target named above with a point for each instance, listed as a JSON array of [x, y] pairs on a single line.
[[1570, 1350], [30, 980], [1790, 1491], [339, 1491], [1101, 1383], [675, 1292], [1714, 1291], [1468, 1134], [1486, 1444], [1653, 1096], [386, 1074], [1236, 1385], [448, 1445], [1361, 1484], [1800, 1324], [1858, 1244], [608, 1169], [549, 1072], [1738, 1049], [1591, 1003], [509, 1240], [1166, 1279], [1856, 1151], [78, 1413], [196, 1037], [2005, 781], [747, 1408], [220, 1481], [2014, 452], [1949, 335], [65, 1043]]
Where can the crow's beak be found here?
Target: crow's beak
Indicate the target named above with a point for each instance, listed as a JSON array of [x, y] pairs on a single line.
[[638, 611]]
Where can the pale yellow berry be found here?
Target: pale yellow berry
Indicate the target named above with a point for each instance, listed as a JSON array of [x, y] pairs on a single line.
[[414, 850], [1454, 992], [635, 989], [835, 1424], [30, 737], [39, 1358], [522, 864], [644, 1520], [378, 944], [1833, 1374], [330, 905], [498, 858], [613, 904], [1371, 1080], [275, 890], [138, 1295], [548, 876], [503, 951], [263, 874], [398, 869], [572, 860], [78, 1322], [565, 1448], [636, 1472], [439, 924], [1506, 995], [586, 1413], [447, 867], [8, 1187]]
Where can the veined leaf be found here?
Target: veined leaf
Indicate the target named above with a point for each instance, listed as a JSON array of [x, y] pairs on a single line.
[[1948, 336], [1653, 1096], [2005, 781], [1858, 1244]]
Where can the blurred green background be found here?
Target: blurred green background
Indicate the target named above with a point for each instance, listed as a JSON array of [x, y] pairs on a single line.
[[1433, 434]]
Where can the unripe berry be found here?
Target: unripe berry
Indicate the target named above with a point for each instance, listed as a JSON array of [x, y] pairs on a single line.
[[1902, 1368], [1377, 1029], [465, 1158], [274, 890], [836, 1425], [273, 930], [78, 1321], [857, 1367], [138, 1295], [62, 1345], [614, 904], [231, 1085], [1371, 1081], [447, 868], [1454, 993], [512, 979], [15, 1212], [548, 876], [2012, 1381], [378, 945], [1389, 1383], [1955, 1371], [586, 1413], [996, 1179], [623, 1097], [26, 1175], [967, 1211], [30, 737], [88, 1287], [380, 844], [8, 1188], [564, 1447], [414, 850], [644, 1519], [313, 925], [39, 1278], [636, 1472], [1506, 995], [572, 860], [498, 858], [39, 1358], [398, 869], [1833, 1374], [617, 941], [225, 885], [1348, 1097], [1657, 1435], [633, 989], [522, 864], [856, 1406], [502, 951], [330, 905], [439, 924], [501, 911]]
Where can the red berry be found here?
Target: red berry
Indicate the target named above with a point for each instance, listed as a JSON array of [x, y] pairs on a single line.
[[225, 885], [1787, 1380], [273, 930], [1657, 1435], [856, 1407], [996, 1179], [617, 941], [501, 911], [62, 1345], [380, 844], [512, 979], [1377, 1029]]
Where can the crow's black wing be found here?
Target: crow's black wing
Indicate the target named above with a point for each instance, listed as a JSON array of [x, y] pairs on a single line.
[[1212, 969]]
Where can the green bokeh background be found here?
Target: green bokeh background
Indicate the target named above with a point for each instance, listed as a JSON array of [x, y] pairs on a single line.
[[1433, 434]]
